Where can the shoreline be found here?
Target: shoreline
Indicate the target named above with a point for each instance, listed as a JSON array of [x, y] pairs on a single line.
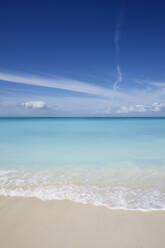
[[9, 197], [30, 222]]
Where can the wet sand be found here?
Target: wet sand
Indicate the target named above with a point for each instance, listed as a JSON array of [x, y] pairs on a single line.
[[26, 222]]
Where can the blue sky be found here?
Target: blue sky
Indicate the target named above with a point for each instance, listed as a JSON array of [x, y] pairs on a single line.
[[82, 58]]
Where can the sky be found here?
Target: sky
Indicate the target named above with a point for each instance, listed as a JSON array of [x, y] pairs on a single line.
[[82, 58]]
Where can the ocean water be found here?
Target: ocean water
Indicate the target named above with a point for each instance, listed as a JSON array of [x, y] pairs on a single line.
[[115, 162]]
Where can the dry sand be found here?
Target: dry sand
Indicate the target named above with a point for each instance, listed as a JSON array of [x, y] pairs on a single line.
[[63, 224]]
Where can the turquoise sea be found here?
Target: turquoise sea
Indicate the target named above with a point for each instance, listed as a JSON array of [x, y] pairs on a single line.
[[115, 162]]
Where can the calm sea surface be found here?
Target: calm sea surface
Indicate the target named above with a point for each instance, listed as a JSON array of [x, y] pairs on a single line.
[[115, 162]]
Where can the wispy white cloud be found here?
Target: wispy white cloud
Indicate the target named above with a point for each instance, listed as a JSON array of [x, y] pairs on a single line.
[[119, 78], [151, 83], [144, 99], [117, 37], [130, 109], [35, 104], [140, 108], [157, 84], [64, 84], [157, 107]]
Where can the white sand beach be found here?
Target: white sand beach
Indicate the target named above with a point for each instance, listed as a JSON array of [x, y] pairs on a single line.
[[27, 222]]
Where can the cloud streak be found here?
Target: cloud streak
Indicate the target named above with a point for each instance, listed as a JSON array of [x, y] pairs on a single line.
[[149, 98], [117, 37], [119, 78], [64, 84], [158, 84]]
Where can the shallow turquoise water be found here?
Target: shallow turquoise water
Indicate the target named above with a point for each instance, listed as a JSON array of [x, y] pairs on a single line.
[[117, 162], [50, 142]]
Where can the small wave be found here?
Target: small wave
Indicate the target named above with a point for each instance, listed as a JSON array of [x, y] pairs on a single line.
[[48, 185]]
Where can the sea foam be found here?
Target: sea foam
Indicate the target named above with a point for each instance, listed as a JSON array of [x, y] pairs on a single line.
[[54, 185]]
